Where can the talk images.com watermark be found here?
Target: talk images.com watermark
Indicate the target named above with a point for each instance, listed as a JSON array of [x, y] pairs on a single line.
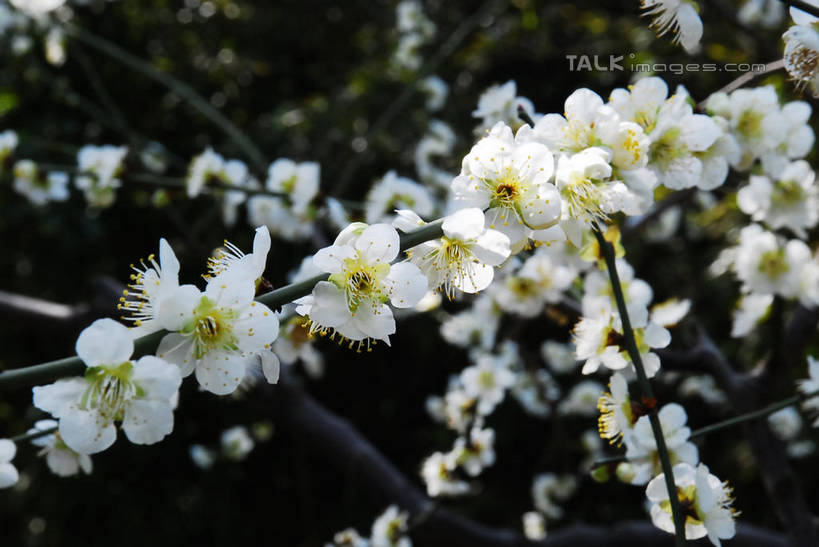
[[618, 63]]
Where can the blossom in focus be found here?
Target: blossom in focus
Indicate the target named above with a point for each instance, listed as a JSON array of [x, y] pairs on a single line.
[[353, 302], [511, 179], [219, 332], [465, 257], [706, 499], [138, 394]]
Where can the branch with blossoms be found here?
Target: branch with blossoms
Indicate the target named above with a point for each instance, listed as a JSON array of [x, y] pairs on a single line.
[[531, 222]]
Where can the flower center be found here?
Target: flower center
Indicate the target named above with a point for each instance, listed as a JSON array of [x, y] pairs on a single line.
[[750, 124], [361, 281], [668, 148], [773, 263], [211, 328], [787, 192], [109, 389]]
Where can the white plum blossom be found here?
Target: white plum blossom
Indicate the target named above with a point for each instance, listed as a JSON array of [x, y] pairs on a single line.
[[641, 447], [477, 452], [512, 180], [437, 472], [61, 460], [281, 219], [293, 344], [681, 17], [151, 283], [476, 326], [559, 356], [802, 50], [389, 529], [100, 167], [706, 499], [139, 394], [465, 257], [703, 386], [797, 140], [353, 302], [750, 311], [616, 411], [582, 399], [487, 381], [8, 144], [39, 188], [541, 279], [536, 391], [298, 181], [202, 457], [438, 141], [236, 443], [499, 103], [217, 333], [229, 257], [600, 341], [786, 423], [790, 200], [669, 313], [393, 192], [37, 8], [8, 473], [436, 92], [534, 526]]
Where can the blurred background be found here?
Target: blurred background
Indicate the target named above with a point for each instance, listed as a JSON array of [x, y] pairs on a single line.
[[316, 80]]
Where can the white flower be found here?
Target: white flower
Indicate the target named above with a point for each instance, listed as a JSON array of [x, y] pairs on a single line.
[[437, 474], [548, 489], [476, 453], [500, 103], [410, 18], [587, 123], [811, 386], [279, 218], [8, 144], [8, 473], [641, 447], [299, 181], [582, 399], [536, 391], [348, 538], [791, 201], [534, 526], [600, 341], [706, 501], [512, 180], [589, 194], [236, 443], [437, 142], [99, 168], [389, 528], [786, 423], [203, 168], [37, 8], [217, 333], [353, 302], [151, 283], [754, 119], [229, 258], [669, 313], [541, 279], [140, 394], [473, 327], [464, 258], [703, 386], [802, 51], [293, 344], [39, 188], [62, 460], [797, 140], [769, 265], [436, 91], [559, 356], [616, 412], [750, 311], [681, 17], [393, 192], [202, 456], [487, 380], [766, 13]]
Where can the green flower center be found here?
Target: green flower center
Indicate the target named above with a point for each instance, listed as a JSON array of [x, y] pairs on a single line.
[[109, 388]]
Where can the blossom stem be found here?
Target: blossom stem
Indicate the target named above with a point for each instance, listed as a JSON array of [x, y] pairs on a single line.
[[33, 435], [73, 366], [179, 87], [607, 250]]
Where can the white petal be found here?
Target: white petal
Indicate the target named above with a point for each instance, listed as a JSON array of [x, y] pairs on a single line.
[[331, 259], [221, 372], [465, 224], [58, 397], [7, 450], [177, 349], [177, 308], [409, 285], [157, 378], [8, 475], [87, 432], [491, 248], [270, 367], [105, 342], [147, 422], [330, 305], [379, 243]]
